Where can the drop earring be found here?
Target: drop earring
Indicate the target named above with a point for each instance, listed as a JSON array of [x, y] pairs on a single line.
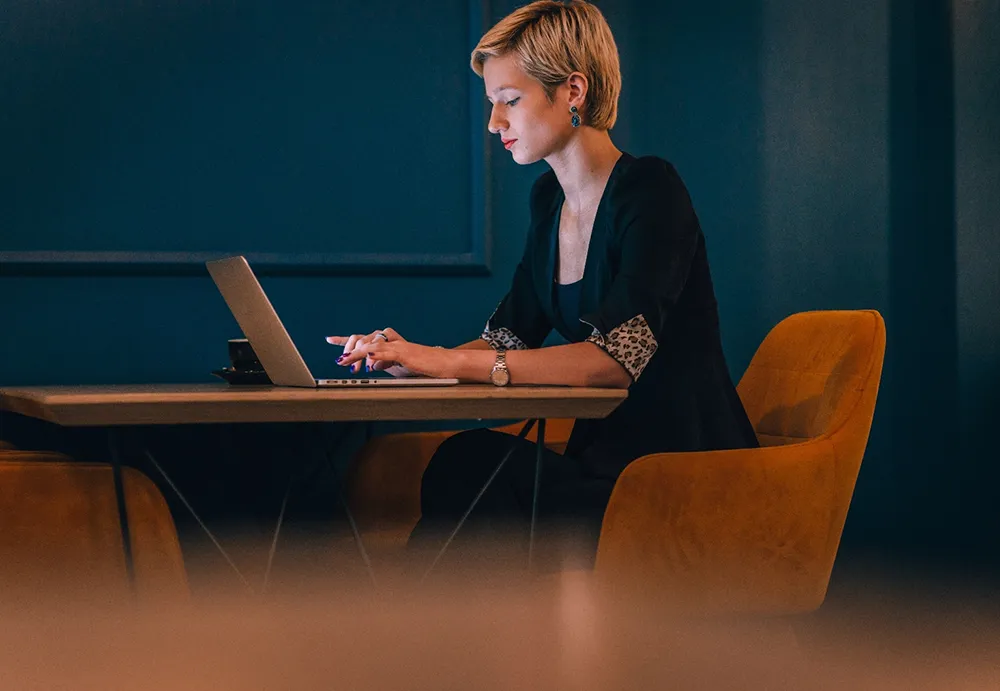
[[576, 116]]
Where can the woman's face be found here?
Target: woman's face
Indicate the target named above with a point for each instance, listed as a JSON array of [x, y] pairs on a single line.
[[529, 125]]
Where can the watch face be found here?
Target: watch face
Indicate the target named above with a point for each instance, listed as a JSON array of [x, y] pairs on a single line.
[[500, 377]]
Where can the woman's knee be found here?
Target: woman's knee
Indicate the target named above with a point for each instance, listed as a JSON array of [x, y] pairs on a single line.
[[459, 450], [470, 438], [451, 453], [460, 468], [453, 461]]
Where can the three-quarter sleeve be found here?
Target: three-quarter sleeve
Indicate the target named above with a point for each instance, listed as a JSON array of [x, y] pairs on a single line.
[[519, 322], [657, 244]]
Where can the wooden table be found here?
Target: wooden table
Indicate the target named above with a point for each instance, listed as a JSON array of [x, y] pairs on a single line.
[[167, 404]]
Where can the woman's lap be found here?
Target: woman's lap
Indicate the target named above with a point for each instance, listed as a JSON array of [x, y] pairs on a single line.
[[571, 503]]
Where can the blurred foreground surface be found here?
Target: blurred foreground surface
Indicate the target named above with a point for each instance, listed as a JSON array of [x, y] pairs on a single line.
[[473, 630]]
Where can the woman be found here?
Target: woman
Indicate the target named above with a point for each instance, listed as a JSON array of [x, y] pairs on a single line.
[[615, 261]]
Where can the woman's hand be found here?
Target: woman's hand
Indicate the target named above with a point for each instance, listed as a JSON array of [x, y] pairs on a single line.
[[355, 353], [430, 361]]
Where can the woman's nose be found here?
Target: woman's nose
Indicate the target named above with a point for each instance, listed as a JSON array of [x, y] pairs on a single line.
[[496, 124]]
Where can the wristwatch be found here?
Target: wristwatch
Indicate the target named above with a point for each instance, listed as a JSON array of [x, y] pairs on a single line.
[[500, 376]]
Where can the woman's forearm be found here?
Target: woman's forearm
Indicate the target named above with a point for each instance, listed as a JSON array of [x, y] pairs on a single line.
[[478, 344], [575, 364]]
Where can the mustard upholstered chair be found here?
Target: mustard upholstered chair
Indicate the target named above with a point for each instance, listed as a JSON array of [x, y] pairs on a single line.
[[61, 535], [757, 530], [383, 484]]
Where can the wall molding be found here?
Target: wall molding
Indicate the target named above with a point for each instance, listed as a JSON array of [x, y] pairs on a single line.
[[473, 260]]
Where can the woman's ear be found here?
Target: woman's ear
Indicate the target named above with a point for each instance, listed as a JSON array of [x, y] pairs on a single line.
[[577, 84]]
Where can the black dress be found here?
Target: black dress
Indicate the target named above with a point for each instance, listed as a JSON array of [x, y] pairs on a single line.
[[646, 298]]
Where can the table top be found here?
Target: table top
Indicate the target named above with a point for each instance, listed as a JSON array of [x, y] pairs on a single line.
[[165, 404]]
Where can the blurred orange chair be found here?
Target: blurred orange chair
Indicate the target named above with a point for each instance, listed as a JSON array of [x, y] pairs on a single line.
[[61, 534], [757, 530]]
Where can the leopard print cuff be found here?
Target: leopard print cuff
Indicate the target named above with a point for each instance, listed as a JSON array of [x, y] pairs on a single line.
[[632, 344], [502, 338]]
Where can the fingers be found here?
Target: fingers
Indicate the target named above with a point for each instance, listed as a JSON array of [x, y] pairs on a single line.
[[390, 335], [354, 349], [379, 351], [376, 354], [352, 344], [364, 344], [367, 350], [388, 357], [348, 358], [380, 356], [350, 347]]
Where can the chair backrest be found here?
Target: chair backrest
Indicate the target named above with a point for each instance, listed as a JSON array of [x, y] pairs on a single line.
[[810, 373], [817, 374], [61, 535]]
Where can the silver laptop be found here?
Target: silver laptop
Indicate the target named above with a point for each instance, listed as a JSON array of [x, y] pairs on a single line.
[[269, 339]]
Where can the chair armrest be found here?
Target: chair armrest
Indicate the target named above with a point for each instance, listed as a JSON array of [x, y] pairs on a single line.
[[383, 487], [10, 455], [743, 530]]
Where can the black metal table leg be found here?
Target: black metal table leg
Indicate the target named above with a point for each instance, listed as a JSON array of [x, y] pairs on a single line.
[[324, 447], [539, 454], [204, 527], [116, 474], [360, 543], [278, 524], [521, 435], [277, 532], [321, 444]]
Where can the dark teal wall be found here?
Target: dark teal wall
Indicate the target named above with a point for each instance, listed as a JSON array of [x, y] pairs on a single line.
[[840, 155], [250, 127], [697, 102], [776, 113], [844, 155], [977, 230]]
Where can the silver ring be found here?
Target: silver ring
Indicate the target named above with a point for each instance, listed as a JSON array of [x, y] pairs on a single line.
[[383, 336]]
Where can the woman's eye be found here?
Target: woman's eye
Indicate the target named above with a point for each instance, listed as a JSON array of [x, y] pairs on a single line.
[[513, 102]]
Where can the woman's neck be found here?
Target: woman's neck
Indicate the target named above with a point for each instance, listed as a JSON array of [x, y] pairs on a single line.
[[583, 167]]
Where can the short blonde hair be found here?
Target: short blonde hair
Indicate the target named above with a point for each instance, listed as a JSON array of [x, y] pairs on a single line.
[[551, 40]]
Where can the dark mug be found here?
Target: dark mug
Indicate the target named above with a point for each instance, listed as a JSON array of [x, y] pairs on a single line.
[[241, 356]]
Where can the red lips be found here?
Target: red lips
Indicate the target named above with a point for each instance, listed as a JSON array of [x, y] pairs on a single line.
[[507, 143]]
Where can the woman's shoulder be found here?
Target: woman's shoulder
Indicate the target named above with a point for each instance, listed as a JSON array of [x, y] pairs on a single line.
[[646, 174], [648, 184]]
